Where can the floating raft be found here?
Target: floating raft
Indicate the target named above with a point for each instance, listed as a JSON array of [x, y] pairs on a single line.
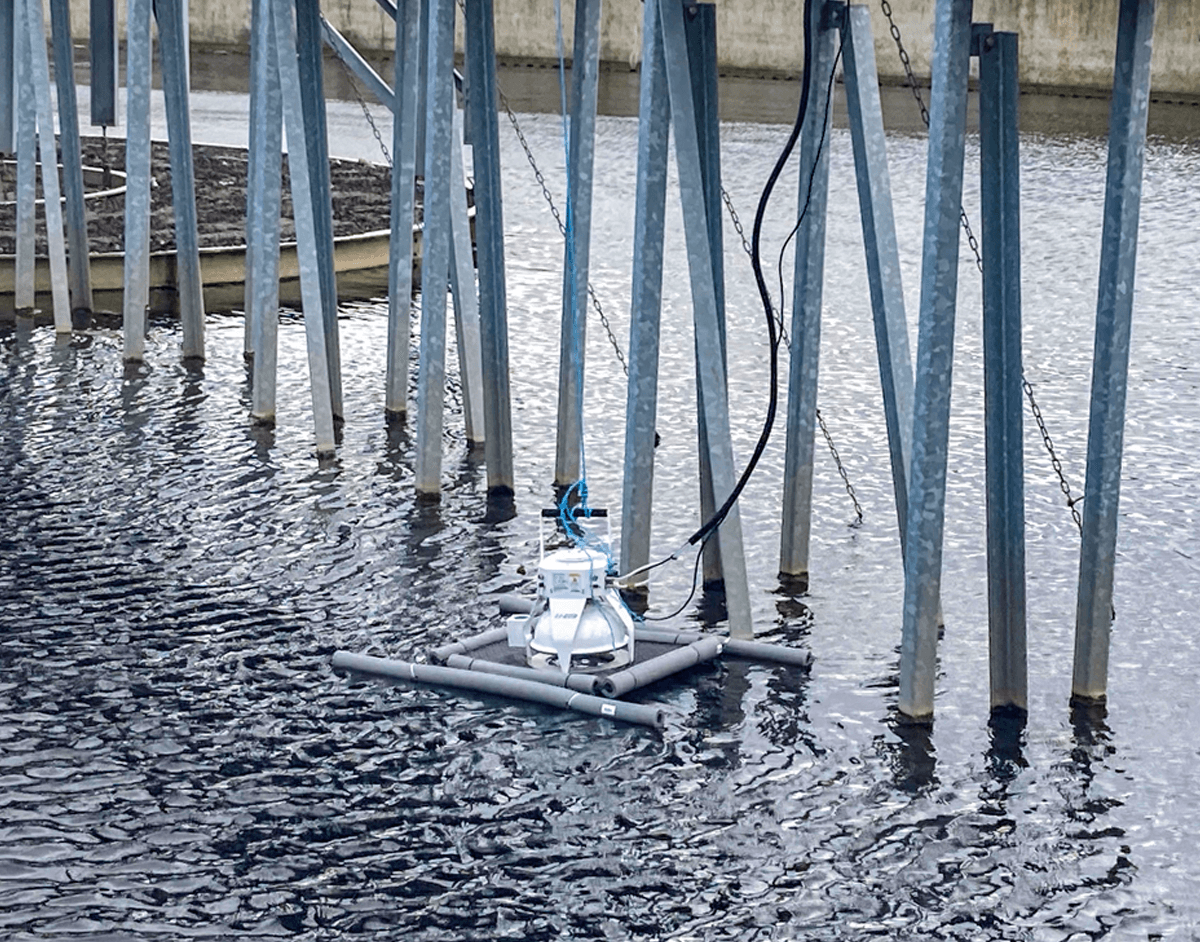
[[485, 663]]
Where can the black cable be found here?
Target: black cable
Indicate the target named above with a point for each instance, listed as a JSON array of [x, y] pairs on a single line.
[[692, 594], [765, 295], [811, 177]]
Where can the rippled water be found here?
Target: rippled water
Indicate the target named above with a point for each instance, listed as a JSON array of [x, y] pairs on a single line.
[[178, 759]]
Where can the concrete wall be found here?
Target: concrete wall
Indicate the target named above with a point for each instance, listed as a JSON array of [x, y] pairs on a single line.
[[1064, 43]]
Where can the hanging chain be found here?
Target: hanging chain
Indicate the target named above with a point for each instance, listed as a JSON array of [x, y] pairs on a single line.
[[905, 61], [971, 240], [562, 228], [841, 468], [1062, 478], [1063, 484], [361, 101], [737, 222]]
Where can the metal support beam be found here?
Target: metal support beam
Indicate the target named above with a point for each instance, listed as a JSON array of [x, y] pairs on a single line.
[[435, 265], [1002, 371], [479, 28], [362, 70], [172, 57], [654, 116], [883, 254], [423, 72], [138, 68], [78, 260], [1110, 364], [404, 170], [700, 30], [935, 356], [26, 146], [806, 307], [303, 211], [312, 88], [264, 197], [585, 79], [466, 300], [264, 187], [7, 71], [707, 321], [102, 53], [38, 74]]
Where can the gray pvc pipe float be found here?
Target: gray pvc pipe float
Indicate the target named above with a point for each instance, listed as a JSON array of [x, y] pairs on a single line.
[[467, 645], [476, 681], [511, 604], [639, 675], [734, 647], [584, 683]]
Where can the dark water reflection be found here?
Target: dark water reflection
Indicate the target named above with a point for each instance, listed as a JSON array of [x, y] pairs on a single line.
[[177, 759]]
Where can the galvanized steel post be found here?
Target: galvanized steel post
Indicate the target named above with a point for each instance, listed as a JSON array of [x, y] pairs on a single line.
[[303, 212], [404, 171], [707, 321], [806, 305], [700, 29], [1002, 372], [423, 78], [350, 57], [309, 46], [102, 55], [38, 64], [479, 28], [264, 187], [7, 72], [654, 116], [882, 250], [935, 354], [585, 78], [173, 62], [466, 301], [264, 197], [435, 265], [24, 296], [138, 67], [1110, 364], [78, 257]]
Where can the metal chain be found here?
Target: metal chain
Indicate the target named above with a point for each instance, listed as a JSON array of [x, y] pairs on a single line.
[[1063, 484], [1062, 479], [362, 104], [737, 222], [841, 468], [916, 92], [562, 228], [904, 60], [741, 233]]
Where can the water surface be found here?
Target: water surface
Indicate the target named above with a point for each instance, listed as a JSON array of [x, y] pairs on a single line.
[[177, 759]]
